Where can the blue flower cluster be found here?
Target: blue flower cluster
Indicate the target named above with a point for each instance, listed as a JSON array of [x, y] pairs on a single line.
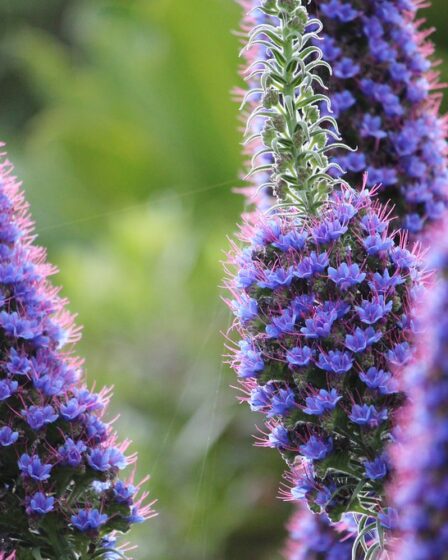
[[314, 537], [325, 324], [59, 458], [419, 490], [382, 96]]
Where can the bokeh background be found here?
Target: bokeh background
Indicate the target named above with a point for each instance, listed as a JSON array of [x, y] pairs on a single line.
[[119, 119]]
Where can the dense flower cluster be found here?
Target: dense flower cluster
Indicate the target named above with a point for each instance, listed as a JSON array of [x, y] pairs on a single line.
[[314, 537], [322, 308], [60, 461], [420, 488], [382, 94]]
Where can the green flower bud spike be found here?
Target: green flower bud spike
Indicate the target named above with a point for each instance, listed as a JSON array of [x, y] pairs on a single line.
[[295, 135]]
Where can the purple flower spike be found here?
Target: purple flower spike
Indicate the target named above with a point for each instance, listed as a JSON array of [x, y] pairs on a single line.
[[51, 423], [381, 56], [332, 283], [418, 492], [322, 346]]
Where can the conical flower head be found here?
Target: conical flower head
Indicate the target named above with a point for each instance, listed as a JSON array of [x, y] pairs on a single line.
[[383, 92], [60, 462], [322, 310], [419, 490], [314, 537]]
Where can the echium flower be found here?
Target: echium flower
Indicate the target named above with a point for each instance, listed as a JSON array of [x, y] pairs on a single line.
[[321, 290], [314, 537], [61, 492], [384, 96], [419, 488]]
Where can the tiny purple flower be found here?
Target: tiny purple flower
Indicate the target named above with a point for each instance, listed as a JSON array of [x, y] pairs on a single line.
[[72, 409], [282, 324], [346, 276], [282, 403], [39, 416], [400, 354], [378, 379], [361, 339], [41, 504], [371, 126], [71, 452], [335, 361], [319, 326], [7, 388], [251, 361], [376, 244], [335, 9], [8, 436], [376, 469], [123, 493], [346, 68], [260, 398], [106, 459], [299, 356], [322, 402], [316, 448], [370, 312], [402, 257], [275, 279], [382, 283], [32, 467], [279, 437], [367, 415], [291, 240], [88, 520], [16, 326]]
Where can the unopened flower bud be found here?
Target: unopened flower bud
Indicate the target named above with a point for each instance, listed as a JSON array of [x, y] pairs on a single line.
[[270, 98]]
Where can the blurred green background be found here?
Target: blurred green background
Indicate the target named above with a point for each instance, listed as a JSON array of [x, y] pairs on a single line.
[[117, 115]]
